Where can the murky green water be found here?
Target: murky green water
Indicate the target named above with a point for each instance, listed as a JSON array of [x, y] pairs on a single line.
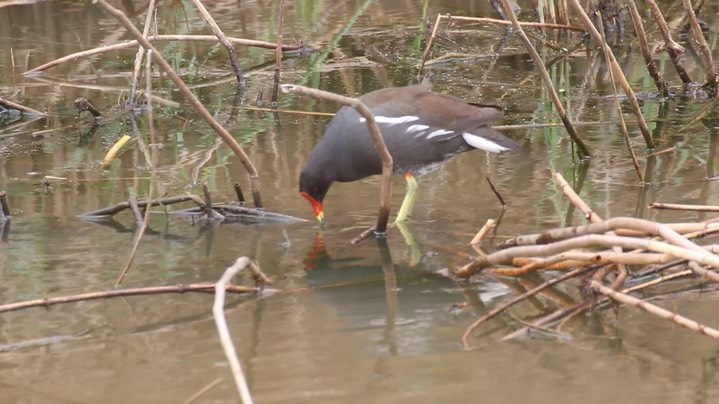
[[349, 325]]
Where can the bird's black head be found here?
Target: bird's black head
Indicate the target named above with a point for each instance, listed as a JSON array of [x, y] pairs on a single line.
[[314, 186]]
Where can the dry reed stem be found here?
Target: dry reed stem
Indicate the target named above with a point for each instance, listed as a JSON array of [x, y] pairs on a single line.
[[617, 103], [488, 226], [223, 40], [430, 42], [362, 109], [704, 52], [182, 87], [278, 53], [677, 206], [141, 51], [559, 266], [156, 38], [592, 240], [143, 221], [25, 110], [657, 281], [644, 46], [522, 23], [496, 193], [582, 150], [643, 226], [618, 73], [674, 49], [494, 312], [203, 287], [203, 390], [537, 264], [591, 216], [654, 309], [218, 311]]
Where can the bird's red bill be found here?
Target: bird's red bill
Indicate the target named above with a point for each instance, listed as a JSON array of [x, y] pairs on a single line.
[[316, 205]]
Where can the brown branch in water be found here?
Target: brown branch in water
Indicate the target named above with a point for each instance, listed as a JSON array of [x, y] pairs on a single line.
[[204, 287], [674, 49], [182, 87], [654, 309], [238, 192], [119, 207], [158, 38], [494, 312], [644, 46], [677, 206], [223, 40], [704, 52], [582, 150], [208, 208], [496, 193], [132, 201], [25, 110], [387, 168], [218, 311]]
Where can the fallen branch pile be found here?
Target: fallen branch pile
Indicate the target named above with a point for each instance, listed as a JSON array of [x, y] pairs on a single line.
[[601, 252]]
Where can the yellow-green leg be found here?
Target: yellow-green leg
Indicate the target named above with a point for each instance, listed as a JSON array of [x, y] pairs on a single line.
[[409, 198], [415, 253]]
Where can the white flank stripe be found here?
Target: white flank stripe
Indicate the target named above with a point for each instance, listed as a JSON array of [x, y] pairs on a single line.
[[439, 132], [418, 128], [392, 120], [481, 143]]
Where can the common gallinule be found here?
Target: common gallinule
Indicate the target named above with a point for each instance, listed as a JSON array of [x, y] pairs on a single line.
[[421, 129]]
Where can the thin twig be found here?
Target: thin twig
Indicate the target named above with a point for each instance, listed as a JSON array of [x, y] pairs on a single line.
[[644, 46], [204, 287], [496, 193], [618, 105], [677, 206], [218, 311], [674, 49], [153, 168], [25, 110], [516, 300], [704, 52], [656, 310], [141, 52], [278, 53], [158, 38], [203, 390]]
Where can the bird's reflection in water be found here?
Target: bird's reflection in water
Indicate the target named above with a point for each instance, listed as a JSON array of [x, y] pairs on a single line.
[[370, 292]]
